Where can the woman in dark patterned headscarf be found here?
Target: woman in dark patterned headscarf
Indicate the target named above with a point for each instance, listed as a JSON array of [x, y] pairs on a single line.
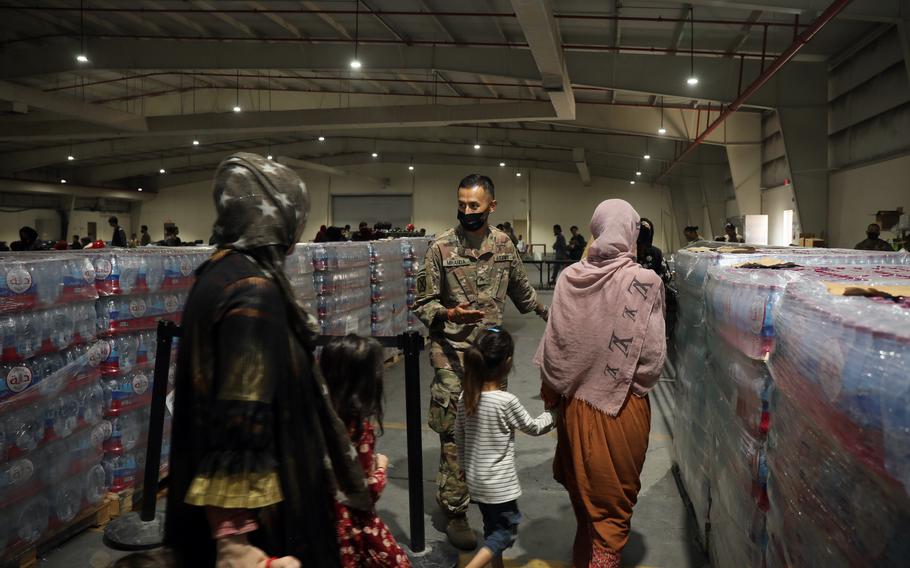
[[258, 453]]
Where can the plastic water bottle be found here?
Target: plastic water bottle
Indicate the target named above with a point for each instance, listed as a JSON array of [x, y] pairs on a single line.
[[94, 482], [62, 415], [66, 500], [16, 473], [30, 519]]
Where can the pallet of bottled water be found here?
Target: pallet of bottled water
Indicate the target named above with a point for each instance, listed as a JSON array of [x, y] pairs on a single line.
[[413, 252], [388, 294], [342, 272], [839, 447]]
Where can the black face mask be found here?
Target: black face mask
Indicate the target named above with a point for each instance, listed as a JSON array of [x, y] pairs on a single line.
[[873, 236], [473, 221]]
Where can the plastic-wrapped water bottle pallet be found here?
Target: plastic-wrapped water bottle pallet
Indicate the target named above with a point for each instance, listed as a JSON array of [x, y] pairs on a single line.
[[92, 517]]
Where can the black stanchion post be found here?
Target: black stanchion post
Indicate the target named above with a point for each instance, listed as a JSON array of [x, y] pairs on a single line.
[[412, 344], [146, 529]]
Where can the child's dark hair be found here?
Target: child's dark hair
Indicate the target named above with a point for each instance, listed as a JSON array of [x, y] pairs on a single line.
[[352, 367], [488, 359]]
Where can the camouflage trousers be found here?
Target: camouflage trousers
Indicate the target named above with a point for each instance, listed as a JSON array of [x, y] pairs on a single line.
[[451, 489]]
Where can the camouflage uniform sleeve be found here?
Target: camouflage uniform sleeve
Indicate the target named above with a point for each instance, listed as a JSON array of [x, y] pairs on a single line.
[[523, 295], [428, 305]]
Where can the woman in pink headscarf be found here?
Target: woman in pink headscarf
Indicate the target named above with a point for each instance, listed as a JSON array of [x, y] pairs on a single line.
[[602, 352]]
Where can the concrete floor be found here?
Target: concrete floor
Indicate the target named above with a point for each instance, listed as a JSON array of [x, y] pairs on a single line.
[[662, 532]]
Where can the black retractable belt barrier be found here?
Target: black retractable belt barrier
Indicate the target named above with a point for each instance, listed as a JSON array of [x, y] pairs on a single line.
[[144, 530]]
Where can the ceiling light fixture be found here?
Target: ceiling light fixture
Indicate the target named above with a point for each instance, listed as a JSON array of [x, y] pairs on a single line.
[[62, 181], [647, 156], [375, 155], [638, 173], [321, 139], [632, 182], [70, 158], [269, 157], [411, 168], [692, 80], [139, 189], [237, 94], [477, 146], [162, 171], [82, 57], [661, 130], [518, 174], [355, 63], [195, 142], [237, 108], [477, 138], [502, 164]]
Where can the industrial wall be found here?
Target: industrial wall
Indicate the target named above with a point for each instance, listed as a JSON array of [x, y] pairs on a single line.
[[544, 196], [858, 193]]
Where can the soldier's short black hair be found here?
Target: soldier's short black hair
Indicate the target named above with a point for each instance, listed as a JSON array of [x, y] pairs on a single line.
[[481, 180], [113, 220]]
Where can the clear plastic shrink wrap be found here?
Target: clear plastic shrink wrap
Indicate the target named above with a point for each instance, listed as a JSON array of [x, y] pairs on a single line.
[[839, 446]]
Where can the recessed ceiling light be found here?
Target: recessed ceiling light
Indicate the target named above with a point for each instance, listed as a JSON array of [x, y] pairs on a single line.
[[477, 146], [321, 138], [139, 189], [632, 182], [162, 171], [375, 155], [518, 174], [647, 156], [692, 80], [502, 164], [71, 158], [237, 108], [355, 64], [195, 142], [411, 168], [82, 58], [62, 181], [661, 130], [269, 157], [638, 173]]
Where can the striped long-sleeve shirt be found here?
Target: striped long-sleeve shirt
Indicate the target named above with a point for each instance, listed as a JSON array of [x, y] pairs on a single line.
[[486, 444]]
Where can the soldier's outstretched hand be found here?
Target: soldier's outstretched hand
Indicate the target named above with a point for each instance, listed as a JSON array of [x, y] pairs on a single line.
[[462, 315]]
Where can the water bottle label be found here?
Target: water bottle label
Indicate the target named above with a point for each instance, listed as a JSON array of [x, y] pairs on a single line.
[[18, 379], [103, 268], [137, 308], [88, 274], [18, 280], [140, 384], [171, 304], [186, 267], [100, 352]]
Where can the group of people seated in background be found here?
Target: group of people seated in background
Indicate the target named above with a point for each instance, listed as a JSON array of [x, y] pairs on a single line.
[[29, 239], [873, 240], [333, 234]]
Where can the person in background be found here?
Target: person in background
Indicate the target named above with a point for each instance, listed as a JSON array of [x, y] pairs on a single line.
[[507, 227], [577, 244], [346, 232], [320, 235], [648, 255], [521, 245], [4, 247], [119, 237], [560, 251], [422, 232], [258, 453], [145, 238], [334, 235], [76, 244], [691, 234], [28, 240], [352, 367], [602, 352], [485, 435], [172, 237], [730, 235], [134, 241], [461, 288], [61, 245], [873, 240]]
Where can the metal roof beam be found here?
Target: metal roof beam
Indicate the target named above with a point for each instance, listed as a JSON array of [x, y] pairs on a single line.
[[542, 34]]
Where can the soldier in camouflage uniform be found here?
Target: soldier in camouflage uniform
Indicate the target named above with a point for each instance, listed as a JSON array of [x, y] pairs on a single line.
[[461, 290]]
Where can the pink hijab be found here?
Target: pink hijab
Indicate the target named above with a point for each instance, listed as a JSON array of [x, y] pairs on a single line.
[[599, 317]]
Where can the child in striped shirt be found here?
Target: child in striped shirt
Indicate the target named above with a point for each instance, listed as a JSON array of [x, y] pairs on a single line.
[[485, 436]]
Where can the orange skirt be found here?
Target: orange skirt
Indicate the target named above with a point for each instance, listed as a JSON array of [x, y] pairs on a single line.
[[599, 460]]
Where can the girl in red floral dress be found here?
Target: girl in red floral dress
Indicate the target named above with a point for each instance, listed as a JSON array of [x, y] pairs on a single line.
[[352, 367]]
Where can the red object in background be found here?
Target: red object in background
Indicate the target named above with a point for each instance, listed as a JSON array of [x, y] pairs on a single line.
[[786, 181]]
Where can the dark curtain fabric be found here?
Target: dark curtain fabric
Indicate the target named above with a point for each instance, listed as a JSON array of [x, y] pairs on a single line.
[[248, 428]]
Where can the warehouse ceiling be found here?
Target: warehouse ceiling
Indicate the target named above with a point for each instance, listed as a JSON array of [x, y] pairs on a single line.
[[174, 86]]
